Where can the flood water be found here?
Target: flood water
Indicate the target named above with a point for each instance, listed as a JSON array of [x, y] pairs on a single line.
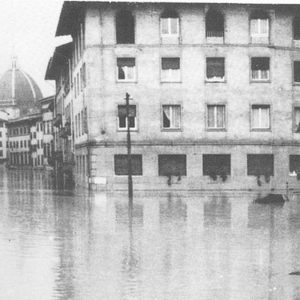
[[78, 245]]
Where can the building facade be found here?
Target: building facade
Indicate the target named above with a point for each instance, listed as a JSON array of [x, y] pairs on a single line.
[[215, 94], [25, 141]]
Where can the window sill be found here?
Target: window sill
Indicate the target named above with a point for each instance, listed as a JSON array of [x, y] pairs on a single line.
[[125, 130], [126, 81], [171, 130], [261, 129], [216, 129], [215, 81], [296, 83], [170, 81], [260, 81]]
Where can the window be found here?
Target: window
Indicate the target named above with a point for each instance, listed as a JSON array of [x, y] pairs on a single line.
[[260, 116], [172, 165], [296, 119], [122, 119], [1, 153], [1, 124], [215, 116], [216, 164], [170, 69], [34, 135], [126, 69], [121, 164], [296, 28], [214, 23], [0, 133], [21, 144], [260, 68], [0, 144], [294, 163], [124, 27], [297, 71], [259, 24], [169, 23], [260, 164], [215, 69], [171, 116]]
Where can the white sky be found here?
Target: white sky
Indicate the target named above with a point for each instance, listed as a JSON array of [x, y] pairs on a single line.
[[30, 26]]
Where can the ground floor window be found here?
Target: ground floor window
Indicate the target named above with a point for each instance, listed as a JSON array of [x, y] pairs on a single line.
[[216, 164], [121, 164], [260, 164], [172, 165], [294, 163]]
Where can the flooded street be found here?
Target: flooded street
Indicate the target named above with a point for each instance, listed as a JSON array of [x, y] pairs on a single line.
[[79, 245]]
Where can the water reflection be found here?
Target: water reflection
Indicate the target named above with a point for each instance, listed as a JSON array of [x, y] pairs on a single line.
[[76, 245]]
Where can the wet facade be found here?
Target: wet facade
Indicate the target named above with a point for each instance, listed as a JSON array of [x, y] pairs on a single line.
[[213, 105]]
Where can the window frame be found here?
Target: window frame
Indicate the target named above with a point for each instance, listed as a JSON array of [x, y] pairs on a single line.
[[259, 34], [207, 80], [169, 34], [161, 156], [215, 112], [257, 129], [117, 15], [252, 80], [205, 171], [169, 79], [134, 73], [162, 118], [135, 118], [140, 156], [294, 128], [296, 82], [263, 155]]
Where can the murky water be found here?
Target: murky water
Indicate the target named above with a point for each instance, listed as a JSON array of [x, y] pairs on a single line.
[[75, 245]]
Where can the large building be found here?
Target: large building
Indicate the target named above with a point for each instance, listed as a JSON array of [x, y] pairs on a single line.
[[215, 94]]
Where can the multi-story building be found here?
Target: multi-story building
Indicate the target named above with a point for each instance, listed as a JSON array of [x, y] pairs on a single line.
[[3, 136], [25, 141], [47, 107], [215, 93]]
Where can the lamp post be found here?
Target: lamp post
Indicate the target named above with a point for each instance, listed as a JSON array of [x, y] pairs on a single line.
[[129, 167]]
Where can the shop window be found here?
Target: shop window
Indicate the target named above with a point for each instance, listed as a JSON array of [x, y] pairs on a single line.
[[296, 28], [215, 116], [297, 71], [125, 27], [121, 164], [260, 164], [170, 69], [260, 68], [259, 24], [126, 69], [169, 23], [216, 164], [215, 69], [260, 117], [172, 165], [171, 116], [294, 163], [214, 23], [122, 117]]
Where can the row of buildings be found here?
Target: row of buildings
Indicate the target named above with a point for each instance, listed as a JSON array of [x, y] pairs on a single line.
[[215, 94]]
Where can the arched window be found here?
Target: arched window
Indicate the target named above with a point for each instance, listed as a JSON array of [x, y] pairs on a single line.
[[214, 23], [259, 24], [125, 27], [296, 27], [169, 23]]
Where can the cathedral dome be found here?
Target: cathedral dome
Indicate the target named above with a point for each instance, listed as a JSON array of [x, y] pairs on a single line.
[[17, 88]]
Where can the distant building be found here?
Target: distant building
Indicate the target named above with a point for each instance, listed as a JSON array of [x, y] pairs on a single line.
[[215, 94], [3, 136], [25, 141], [47, 107], [18, 92]]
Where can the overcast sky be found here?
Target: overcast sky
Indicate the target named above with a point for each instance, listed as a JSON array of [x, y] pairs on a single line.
[[29, 27]]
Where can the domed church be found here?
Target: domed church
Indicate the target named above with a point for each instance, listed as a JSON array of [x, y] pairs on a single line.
[[18, 92]]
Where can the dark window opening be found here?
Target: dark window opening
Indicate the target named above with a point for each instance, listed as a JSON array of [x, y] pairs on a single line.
[[126, 68], [214, 22], [297, 71], [260, 164], [215, 68], [125, 27], [216, 164], [259, 14], [172, 165], [122, 116], [294, 163], [121, 164], [260, 68], [296, 28]]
